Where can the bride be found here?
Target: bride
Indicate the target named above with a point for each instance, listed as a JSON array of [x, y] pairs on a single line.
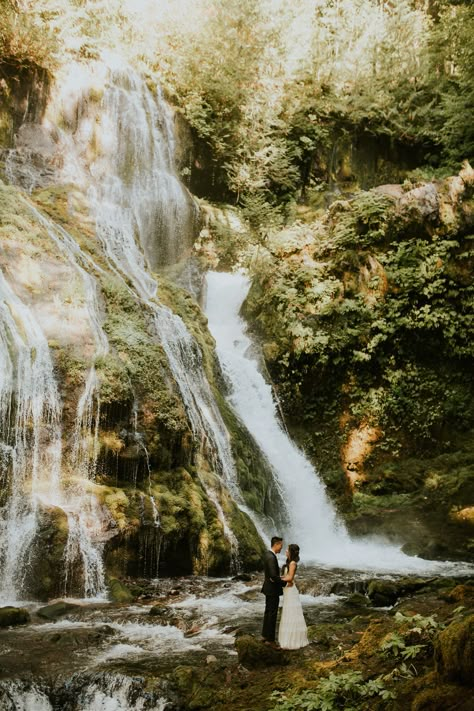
[[292, 633]]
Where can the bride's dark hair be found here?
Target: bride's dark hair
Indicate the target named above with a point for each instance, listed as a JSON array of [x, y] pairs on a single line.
[[293, 554]]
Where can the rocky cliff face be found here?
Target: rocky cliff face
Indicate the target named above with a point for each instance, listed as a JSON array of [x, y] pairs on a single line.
[[133, 424], [366, 320]]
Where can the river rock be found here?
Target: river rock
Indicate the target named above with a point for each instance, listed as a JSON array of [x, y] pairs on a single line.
[[357, 600], [57, 609], [454, 652], [382, 593], [118, 591], [11, 616], [254, 653]]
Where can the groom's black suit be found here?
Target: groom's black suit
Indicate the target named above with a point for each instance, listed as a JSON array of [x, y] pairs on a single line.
[[272, 588]]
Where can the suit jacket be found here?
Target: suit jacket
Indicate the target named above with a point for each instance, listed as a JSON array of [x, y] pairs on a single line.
[[272, 584]]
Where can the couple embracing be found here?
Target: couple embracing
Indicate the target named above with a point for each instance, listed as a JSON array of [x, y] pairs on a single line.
[[292, 633]]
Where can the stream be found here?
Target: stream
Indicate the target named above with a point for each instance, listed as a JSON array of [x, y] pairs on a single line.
[[103, 656]]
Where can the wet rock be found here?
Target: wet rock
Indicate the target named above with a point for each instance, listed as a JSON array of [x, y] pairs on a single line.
[[243, 577], [254, 653], [408, 586], [47, 555], [382, 593], [57, 609], [229, 629], [460, 593], [118, 591], [250, 595], [454, 652], [78, 638], [357, 600], [346, 588], [11, 616]]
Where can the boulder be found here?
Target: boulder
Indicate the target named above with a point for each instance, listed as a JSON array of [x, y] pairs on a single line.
[[357, 600], [454, 652], [57, 609], [382, 593], [118, 591], [253, 653], [10, 616]]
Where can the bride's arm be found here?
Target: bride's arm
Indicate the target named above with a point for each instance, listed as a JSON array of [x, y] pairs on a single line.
[[290, 574]]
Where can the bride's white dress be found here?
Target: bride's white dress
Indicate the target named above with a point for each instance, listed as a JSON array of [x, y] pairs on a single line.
[[292, 633]]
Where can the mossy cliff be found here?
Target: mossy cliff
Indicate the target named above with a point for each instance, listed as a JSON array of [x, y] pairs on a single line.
[[366, 322], [148, 473]]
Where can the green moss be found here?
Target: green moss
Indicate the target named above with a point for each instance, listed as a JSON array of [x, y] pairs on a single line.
[[118, 591], [47, 554], [454, 651], [10, 616], [139, 363]]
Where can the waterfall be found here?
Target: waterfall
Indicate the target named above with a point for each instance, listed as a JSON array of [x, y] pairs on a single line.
[[135, 171], [140, 207], [94, 692], [84, 545], [313, 522], [83, 550], [30, 429]]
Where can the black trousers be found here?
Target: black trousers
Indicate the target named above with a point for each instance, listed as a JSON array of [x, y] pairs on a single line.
[[270, 617]]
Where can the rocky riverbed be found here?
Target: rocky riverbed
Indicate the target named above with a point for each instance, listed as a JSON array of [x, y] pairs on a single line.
[[193, 643]]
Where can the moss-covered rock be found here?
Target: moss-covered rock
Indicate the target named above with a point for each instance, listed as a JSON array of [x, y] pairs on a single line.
[[119, 592], [45, 579], [454, 652], [12, 616], [57, 609], [254, 653], [382, 592]]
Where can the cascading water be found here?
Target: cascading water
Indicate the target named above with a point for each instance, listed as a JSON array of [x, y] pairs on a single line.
[[33, 468], [83, 549], [30, 429], [137, 197], [313, 522]]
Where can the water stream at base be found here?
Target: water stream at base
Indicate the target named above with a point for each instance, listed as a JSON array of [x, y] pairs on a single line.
[[313, 522]]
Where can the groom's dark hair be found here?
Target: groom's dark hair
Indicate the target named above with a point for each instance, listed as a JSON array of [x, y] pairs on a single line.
[[275, 539]]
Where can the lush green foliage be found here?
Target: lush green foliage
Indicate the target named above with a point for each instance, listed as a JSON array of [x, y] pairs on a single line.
[[369, 312], [280, 91], [25, 41], [275, 90], [348, 691]]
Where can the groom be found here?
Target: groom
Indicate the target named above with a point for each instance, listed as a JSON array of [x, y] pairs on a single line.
[[272, 589]]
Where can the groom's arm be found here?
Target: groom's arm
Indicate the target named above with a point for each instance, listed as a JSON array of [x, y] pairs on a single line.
[[275, 572]]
